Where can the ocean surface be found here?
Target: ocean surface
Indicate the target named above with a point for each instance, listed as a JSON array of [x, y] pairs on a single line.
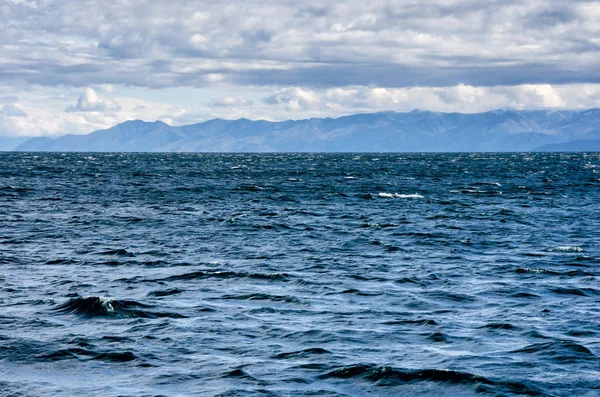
[[299, 274]]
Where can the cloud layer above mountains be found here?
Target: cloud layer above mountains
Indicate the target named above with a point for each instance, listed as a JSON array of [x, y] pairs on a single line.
[[282, 58]]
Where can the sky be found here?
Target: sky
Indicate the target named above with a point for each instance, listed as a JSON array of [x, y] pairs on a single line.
[[75, 66]]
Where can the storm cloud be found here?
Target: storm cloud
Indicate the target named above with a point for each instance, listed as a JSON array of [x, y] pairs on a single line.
[[389, 43]]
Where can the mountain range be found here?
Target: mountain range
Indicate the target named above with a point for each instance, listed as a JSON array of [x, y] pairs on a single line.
[[416, 131]]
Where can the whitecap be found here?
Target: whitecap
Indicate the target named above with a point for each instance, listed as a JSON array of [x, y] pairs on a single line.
[[489, 183], [106, 302], [397, 195], [566, 248]]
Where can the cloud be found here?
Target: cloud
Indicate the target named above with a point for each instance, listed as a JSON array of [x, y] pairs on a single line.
[[270, 43], [10, 126], [232, 101], [461, 98], [304, 59], [10, 99], [12, 111], [47, 118], [90, 101], [295, 98]]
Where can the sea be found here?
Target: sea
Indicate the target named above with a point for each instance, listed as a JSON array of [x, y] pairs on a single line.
[[424, 274]]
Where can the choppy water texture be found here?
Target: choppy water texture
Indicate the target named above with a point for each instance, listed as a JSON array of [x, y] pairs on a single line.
[[299, 275]]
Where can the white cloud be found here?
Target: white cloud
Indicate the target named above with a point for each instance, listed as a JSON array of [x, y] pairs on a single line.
[[232, 101], [461, 98], [90, 101], [542, 96], [45, 115], [294, 99]]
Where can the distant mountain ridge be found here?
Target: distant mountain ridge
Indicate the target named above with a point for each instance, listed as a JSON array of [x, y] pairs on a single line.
[[416, 131], [583, 145], [8, 143]]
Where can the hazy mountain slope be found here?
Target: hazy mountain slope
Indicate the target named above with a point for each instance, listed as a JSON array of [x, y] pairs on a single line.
[[584, 145], [8, 143], [130, 136], [501, 130]]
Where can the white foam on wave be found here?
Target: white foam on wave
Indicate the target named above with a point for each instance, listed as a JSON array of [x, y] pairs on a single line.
[[106, 302], [566, 248], [396, 195]]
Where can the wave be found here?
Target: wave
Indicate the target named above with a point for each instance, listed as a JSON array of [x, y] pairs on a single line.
[[169, 292], [255, 188], [439, 337], [361, 293], [503, 326], [239, 374], [15, 189], [566, 248], [475, 191], [572, 273], [524, 270], [117, 252], [302, 353], [389, 376], [100, 306], [80, 353], [397, 195], [576, 291], [524, 295], [63, 261], [418, 322], [262, 297], [316, 336], [378, 225], [559, 350], [364, 196], [198, 275]]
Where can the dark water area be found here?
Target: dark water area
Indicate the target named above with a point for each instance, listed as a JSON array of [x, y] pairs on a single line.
[[299, 274]]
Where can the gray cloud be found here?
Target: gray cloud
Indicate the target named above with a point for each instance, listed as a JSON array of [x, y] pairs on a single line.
[[549, 18], [275, 43], [12, 111], [390, 75], [10, 99]]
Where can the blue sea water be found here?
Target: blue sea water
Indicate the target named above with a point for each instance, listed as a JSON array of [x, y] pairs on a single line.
[[299, 274]]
